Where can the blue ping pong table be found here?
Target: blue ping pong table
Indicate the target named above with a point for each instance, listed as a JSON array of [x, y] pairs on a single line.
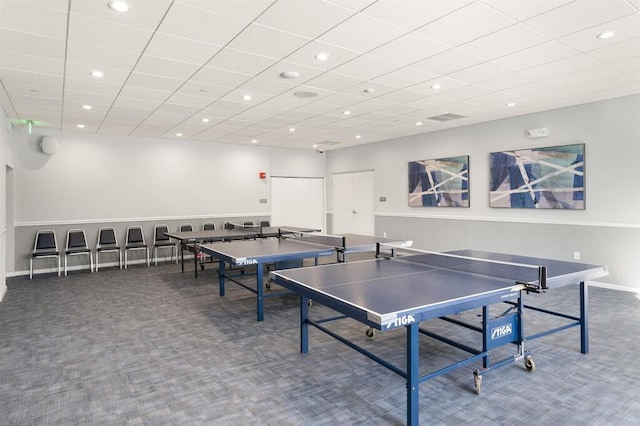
[[401, 292], [289, 247]]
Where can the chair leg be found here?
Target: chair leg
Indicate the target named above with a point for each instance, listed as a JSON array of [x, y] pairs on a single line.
[[91, 261], [120, 258], [65, 265], [148, 260], [31, 269], [58, 265], [125, 258], [97, 260]]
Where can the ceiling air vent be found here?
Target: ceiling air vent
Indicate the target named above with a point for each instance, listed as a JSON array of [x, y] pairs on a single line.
[[446, 117]]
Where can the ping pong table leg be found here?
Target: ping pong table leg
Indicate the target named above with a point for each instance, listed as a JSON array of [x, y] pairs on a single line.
[[584, 318], [182, 255], [304, 325], [260, 290], [412, 373], [195, 259], [221, 277]]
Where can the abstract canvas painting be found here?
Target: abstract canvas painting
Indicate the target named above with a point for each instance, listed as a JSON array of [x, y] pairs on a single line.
[[541, 178], [442, 182]]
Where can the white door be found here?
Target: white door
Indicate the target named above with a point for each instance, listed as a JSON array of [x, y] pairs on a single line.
[[297, 202], [352, 200]]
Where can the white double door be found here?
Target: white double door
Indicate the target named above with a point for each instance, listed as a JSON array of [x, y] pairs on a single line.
[[353, 203], [297, 202]]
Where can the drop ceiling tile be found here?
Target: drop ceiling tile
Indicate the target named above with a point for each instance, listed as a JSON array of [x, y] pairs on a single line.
[[408, 49], [149, 81], [180, 49], [31, 44], [30, 63], [33, 19], [220, 78], [412, 14], [589, 75], [578, 16], [509, 80], [466, 24], [333, 82], [236, 60], [99, 88], [628, 66], [265, 41], [200, 24], [160, 67], [100, 57], [537, 55], [82, 71], [39, 92], [449, 61], [404, 77], [145, 94], [506, 41], [29, 78], [377, 33], [522, 10], [365, 67], [209, 91], [83, 29], [310, 20], [481, 72], [266, 85], [629, 49], [563, 66], [246, 9], [447, 84], [189, 100]]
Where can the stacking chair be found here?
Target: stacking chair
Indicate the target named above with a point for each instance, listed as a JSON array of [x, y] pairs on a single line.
[[248, 224], [227, 225], [107, 242], [135, 241], [160, 240], [45, 245], [264, 223], [77, 246], [186, 227], [208, 226]]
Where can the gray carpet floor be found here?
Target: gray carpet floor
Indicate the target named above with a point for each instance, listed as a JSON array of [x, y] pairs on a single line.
[[154, 346]]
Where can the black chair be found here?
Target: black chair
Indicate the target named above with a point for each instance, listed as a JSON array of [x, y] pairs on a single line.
[[248, 224], [208, 226], [186, 227], [160, 240], [107, 242], [227, 225], [264, 223], [45, 245], [135, 241], [77, 246]]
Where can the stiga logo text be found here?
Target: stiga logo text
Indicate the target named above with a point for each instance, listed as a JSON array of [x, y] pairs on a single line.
[[503, 330], [405, 320], [245, 262]]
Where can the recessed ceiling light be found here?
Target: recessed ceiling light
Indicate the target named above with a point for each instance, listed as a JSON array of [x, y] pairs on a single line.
[[315, 145], [358, 137], [321, 57], [437, 86], [510, 104], [254, 140], [290, 74], [80, 126], [369, 90], [418, 123], [292, 129], [119, 5], [246, 97], [178, 134], [87, 107], [606, 34], [205, 120], [97, 74], [347, 113]]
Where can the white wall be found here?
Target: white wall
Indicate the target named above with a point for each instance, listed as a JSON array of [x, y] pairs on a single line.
[[611, 133], [5, 155], [95, 179]]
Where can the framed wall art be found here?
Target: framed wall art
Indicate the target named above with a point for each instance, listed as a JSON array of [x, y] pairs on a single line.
[[442, 182], [542, 178]]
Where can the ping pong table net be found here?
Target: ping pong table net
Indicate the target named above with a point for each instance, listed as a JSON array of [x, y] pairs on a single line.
[[335, 241], [532, 277]]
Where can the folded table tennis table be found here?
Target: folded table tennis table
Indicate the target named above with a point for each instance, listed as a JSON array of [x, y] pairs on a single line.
[[402, 292], [289, 247]]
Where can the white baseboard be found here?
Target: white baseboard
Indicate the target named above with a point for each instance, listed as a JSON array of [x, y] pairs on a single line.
[[614, 287]]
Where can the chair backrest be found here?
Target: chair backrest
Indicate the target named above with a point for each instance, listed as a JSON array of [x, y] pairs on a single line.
[[46, 240], [248, 223], [158, 233], [208, 226], [186, 227], [227, 225], [107, 236], [135, 235], [264, 223], [76, 239]]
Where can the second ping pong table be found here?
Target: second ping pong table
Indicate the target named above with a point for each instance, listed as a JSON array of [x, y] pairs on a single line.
[[289, 247], [402, 292]]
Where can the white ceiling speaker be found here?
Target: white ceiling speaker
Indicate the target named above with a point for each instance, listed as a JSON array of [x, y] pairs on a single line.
[[49, 145]]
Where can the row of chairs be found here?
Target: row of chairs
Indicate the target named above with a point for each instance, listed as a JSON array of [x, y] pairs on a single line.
[[46, 244]]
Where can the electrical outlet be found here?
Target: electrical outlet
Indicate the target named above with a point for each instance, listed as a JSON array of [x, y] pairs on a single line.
[[384, 235], [576, 255]]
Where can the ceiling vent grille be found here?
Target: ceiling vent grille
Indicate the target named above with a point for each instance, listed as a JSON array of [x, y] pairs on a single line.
[[446, 117]]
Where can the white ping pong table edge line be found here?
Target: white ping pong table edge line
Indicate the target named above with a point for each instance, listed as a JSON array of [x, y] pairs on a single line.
[[478, 259]]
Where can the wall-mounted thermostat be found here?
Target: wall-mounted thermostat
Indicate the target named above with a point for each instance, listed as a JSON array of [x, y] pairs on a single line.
[[542, 132]]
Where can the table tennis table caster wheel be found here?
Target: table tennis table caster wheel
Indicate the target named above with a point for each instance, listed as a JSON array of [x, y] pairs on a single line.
[[529, 364], [370, 333], [309, 303], [477, 382], [267, 285], [201, 267]]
